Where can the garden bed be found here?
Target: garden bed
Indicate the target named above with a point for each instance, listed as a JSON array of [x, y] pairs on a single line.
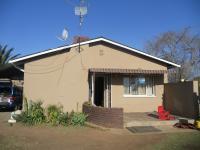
[[34, 114]]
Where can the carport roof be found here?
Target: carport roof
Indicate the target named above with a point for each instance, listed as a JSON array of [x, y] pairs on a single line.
[[9, 71]]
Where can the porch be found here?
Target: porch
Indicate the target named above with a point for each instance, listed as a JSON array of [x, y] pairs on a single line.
[[130, 89], [125, 95], [149, 119], [116, 118]]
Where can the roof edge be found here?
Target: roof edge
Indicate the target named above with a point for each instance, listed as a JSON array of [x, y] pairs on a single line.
[[140, 52], [52, 50], [92, 41]]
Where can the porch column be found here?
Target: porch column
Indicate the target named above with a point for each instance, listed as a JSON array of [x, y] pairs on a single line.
[[109, 91], [93, 84]]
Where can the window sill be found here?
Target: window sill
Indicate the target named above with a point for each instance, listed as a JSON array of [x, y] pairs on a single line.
[[138, 96]]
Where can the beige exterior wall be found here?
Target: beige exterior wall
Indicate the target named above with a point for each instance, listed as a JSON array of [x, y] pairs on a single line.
[[63, 78]]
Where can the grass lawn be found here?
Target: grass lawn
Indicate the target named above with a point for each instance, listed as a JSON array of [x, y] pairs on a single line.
[[179, 141]]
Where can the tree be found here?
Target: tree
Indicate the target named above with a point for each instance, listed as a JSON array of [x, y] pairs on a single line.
[[179, 47], [6, 55]]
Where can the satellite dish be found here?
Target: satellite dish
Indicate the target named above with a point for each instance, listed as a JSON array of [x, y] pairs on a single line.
[[64, 35]]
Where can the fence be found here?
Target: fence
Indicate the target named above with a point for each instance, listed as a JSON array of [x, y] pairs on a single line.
[[182, 99]]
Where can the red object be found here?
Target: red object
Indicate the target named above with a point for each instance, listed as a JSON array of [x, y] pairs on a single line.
[[78, 39], [12, 98], [164, 115]]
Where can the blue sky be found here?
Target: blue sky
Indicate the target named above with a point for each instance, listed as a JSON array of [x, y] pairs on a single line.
[[32, 25]]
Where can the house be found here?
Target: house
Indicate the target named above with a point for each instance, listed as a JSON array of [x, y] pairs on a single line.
[[105, 72]]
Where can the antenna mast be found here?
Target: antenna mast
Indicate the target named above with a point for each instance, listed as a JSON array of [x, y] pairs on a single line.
[[80, 11]]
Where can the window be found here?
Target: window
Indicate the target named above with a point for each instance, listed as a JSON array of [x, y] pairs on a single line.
[[139, 85], [5, 90]]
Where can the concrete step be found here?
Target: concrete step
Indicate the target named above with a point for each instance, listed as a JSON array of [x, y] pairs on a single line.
[[154, 123]]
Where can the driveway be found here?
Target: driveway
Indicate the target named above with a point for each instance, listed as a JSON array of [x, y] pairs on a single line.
[[73, 138]]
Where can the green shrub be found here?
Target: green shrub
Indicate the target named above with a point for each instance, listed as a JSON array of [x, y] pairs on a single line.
[[33, 115], [63, 119], [56, 116], [77, 118], [36, 112], [71, 114], [53, 113], [24, 118]]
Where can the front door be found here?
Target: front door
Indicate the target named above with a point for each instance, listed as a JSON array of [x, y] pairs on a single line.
[[99, 91]]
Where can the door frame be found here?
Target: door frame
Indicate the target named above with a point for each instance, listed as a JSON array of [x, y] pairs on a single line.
[[107, 88]]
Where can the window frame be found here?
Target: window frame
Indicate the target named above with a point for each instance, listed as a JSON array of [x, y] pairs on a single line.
[[139, 95]]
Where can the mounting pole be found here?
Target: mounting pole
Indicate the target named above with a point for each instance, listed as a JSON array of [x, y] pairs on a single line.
[[80, 11]]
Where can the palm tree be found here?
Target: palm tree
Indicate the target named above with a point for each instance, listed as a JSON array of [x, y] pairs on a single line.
[[6, 55]]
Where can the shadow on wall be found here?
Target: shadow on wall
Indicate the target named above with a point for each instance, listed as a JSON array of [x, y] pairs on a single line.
[[196, 101], [118, 78], [182, 99]]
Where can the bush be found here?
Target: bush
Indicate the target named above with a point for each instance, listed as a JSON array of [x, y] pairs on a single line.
[[34, 114], [56, 116], [25, 118], [77, 119], [64, 119], [53, 113]]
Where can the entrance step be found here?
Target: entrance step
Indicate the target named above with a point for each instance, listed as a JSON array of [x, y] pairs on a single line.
[[154, 123]]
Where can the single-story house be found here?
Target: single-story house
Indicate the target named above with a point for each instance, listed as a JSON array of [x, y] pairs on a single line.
[[104, 72]]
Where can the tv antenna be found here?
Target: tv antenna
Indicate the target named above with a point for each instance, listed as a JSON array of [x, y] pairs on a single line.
[[64, 35], [81, 11]]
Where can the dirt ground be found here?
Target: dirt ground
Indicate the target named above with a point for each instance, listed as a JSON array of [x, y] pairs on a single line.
[[72, 138]]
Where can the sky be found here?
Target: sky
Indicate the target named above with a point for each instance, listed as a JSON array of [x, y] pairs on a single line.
[[30, 26]]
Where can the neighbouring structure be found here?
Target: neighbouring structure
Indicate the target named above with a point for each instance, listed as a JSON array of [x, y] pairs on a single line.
[[182, 99], [107, 73]]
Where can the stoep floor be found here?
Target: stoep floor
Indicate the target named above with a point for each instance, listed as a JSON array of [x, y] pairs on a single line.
[[148, 119], [138, 117]]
